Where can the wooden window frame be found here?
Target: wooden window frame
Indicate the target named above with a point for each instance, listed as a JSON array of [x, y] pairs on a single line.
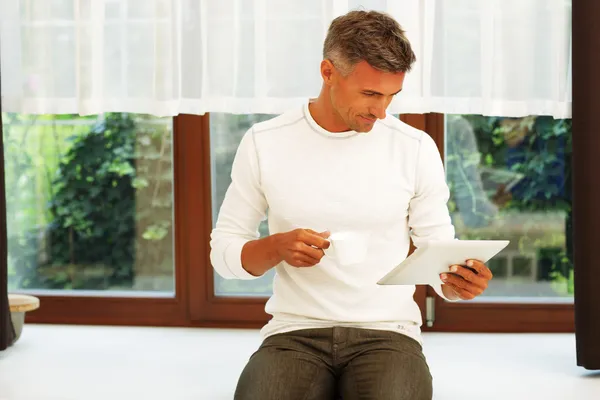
[[135, 308], [481, 316], [206, 308]]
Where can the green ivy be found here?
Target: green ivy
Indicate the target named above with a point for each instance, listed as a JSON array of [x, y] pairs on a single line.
[[94, 206]]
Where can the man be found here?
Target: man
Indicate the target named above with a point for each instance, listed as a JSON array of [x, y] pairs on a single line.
[[463, 161], [339, 163]]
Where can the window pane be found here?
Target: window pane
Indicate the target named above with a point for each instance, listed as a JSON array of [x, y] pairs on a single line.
[[226, 131], [510, 178], [89, 202]]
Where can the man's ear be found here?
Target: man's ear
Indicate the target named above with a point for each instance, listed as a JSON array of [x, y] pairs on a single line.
[[328, 72]]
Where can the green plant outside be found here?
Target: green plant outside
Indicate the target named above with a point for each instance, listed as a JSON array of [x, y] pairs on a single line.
[[544, 158]]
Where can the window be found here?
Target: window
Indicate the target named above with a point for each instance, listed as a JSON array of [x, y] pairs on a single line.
[[510, 178], [89, 203], [97, 216]]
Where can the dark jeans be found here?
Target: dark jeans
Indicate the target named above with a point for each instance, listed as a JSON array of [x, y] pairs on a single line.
[[333, 363]]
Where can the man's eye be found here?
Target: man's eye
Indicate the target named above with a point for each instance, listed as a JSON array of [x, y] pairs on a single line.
[[369, 94]]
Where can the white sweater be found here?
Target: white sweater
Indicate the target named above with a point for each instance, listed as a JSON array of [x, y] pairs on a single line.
[[389, 182]]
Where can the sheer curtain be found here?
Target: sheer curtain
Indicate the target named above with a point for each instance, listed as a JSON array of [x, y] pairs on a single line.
[[492, 57]]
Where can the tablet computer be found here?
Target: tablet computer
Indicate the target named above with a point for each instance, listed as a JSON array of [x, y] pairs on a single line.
[[426, 263]]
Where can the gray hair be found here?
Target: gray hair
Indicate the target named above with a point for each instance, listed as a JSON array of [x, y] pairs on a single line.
[[369, 36]]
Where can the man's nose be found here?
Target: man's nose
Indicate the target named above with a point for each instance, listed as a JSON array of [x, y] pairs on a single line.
[[378, 111]]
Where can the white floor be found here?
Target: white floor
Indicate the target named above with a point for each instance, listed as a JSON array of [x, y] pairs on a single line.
[[89, 363]]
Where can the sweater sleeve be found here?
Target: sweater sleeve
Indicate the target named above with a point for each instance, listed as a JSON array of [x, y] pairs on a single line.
[[428, 216], [243, 209]]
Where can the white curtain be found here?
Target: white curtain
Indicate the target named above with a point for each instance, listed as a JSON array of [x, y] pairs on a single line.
[[164, 57]]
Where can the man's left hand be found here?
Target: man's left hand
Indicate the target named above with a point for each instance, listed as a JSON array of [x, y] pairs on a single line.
[[467, 281]]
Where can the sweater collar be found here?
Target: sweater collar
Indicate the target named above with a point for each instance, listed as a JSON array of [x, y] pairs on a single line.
[[319, 129]]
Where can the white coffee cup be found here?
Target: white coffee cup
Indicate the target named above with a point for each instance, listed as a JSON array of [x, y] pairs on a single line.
[[348, 248]]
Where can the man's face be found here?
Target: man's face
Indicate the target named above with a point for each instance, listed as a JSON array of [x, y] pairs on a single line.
[[363, 96]]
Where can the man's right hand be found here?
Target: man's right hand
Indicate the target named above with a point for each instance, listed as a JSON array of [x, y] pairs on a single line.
[[302, 247], [299, 248]]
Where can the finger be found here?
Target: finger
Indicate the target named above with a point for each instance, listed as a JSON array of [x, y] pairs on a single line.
[[314, 239], [457, 282], [308, 258], [461, 293], [454, 280], [480, 268], [302, 260], [467, 274], [301, 264], [312, 252], [324, 234]]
